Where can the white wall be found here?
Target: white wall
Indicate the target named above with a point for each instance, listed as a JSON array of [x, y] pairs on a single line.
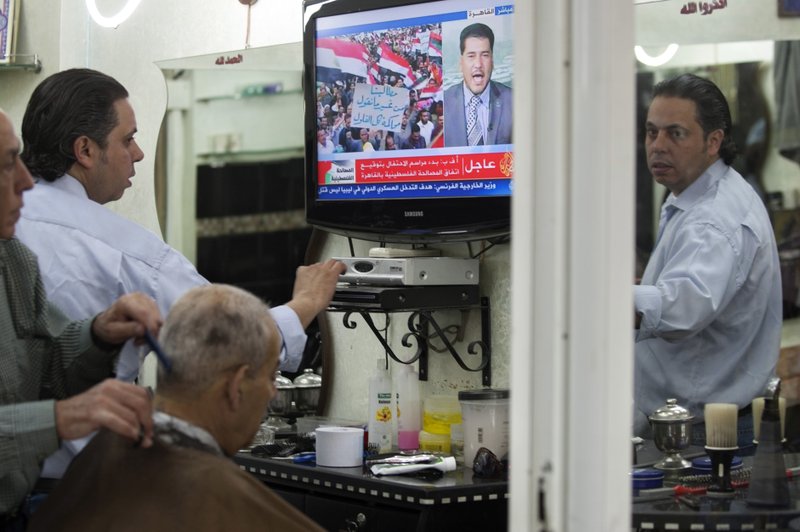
[[661, 23], [40, 38], [62, 33]]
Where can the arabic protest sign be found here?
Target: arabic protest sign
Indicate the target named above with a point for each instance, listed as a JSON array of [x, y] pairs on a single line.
[[379, 106]]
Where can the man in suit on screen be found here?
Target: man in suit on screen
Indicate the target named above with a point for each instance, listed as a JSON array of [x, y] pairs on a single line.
[[478, 111]]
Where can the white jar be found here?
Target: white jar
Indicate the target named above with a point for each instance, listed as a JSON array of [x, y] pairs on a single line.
[[485, 422]]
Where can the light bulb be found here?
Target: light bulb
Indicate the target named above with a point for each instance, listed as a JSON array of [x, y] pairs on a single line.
[[658, 60], [114, 20]]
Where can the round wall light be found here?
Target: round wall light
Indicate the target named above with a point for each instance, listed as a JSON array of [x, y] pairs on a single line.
[[114, 20]]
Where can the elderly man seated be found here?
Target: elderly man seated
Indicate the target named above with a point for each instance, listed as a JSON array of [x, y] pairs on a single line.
[[223, 347]]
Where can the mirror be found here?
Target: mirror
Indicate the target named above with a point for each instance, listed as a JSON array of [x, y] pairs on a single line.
[[739, 48], [745, 72], [229, 170]]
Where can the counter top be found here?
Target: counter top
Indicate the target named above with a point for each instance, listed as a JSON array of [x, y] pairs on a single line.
[[455, 487], [701, 512]]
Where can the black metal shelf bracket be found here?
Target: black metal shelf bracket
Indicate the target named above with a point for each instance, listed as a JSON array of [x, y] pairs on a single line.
[[421, 344], [419, 336]]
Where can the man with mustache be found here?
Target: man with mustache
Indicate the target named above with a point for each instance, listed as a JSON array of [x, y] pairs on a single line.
[[479, 110], [79, 142], [708, 309]]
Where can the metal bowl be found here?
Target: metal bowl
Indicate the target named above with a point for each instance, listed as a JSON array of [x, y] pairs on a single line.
[[672, 437], [672, 433], [307, 388], [282, 402]]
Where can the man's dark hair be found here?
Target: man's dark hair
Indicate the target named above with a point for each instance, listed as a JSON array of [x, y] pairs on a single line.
[[63, 107], [415, 128], [712, 111], [479, 30]]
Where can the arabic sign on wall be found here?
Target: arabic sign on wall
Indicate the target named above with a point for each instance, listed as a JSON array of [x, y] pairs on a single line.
[[704, 8]]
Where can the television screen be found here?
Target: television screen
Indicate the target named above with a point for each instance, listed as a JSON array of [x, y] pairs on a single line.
[[409, 118]]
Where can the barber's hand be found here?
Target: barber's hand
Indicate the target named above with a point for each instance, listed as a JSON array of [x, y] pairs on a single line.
[[116, 405], [314, 287], [127, 317]]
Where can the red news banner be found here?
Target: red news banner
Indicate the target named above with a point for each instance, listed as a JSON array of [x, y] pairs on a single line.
[[430, 168]]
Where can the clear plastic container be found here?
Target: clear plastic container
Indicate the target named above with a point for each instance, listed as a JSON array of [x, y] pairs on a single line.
[[439, 412], [406, 387], [457, 442], [434, 442], [486, 422]]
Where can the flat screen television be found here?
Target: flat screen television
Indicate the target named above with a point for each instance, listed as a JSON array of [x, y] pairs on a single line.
[[397, 148]]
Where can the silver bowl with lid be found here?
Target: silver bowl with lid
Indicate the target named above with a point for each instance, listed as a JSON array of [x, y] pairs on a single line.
[[307, 387], [282, 402], [672, 433]]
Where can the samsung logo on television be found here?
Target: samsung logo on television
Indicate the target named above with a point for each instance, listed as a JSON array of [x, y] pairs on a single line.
[[413, 214]]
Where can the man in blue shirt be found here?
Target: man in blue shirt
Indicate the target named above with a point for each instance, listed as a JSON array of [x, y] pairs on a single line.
[[708, 309]]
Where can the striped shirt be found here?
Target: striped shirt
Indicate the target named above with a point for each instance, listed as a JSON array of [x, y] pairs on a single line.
[[43, 356]]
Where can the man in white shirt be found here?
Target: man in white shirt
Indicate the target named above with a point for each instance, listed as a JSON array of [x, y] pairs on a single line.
[[708, 309], [425, 126], [324, 144], [78, 134]]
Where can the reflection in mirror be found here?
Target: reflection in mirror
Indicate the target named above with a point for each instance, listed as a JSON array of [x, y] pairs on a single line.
[[759, 80], [753, 83], [741, 70], [230, 182]]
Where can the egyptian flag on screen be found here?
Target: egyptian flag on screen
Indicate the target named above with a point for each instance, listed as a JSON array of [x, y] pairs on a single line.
[[347, 56], [416, 44], [438, 140], [397, 64], [374, 75], [436, 74], [435, 45]]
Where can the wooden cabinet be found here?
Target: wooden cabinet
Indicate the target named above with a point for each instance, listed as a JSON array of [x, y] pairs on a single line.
[[352, 499]]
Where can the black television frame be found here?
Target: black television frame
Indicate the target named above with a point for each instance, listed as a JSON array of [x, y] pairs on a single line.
[[410, 221]]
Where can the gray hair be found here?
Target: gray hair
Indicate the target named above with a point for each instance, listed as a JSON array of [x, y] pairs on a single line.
[[212, 329]]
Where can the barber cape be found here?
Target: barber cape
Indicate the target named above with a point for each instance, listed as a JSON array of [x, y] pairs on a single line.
[[182, 482]]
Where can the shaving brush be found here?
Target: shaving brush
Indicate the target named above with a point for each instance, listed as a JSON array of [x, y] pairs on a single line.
[[721, 445]]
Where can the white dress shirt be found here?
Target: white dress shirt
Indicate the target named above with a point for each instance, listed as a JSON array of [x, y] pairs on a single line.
[[710, 300], [89, 256]]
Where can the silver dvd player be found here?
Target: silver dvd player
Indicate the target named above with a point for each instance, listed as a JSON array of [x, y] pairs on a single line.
[[410, 271]]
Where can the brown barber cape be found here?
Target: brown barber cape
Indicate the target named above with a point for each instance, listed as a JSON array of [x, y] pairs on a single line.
[[113, 485]]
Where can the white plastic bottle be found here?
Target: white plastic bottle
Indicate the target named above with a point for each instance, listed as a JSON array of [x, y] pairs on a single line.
[[406, 385], [381, 410]]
